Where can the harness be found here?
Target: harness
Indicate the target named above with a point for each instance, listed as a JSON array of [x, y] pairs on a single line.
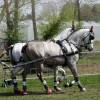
[[65, 50]]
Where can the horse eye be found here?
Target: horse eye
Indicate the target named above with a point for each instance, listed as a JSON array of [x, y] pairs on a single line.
[[91, 37]]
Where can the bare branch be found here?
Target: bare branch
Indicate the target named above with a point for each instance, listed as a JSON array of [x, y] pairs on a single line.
[[2, 13]]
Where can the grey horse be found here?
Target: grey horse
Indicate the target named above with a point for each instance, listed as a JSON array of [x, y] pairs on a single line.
[[47, 49], [16, 56]]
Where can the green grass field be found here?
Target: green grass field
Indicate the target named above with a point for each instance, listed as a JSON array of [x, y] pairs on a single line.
[[36, 92]]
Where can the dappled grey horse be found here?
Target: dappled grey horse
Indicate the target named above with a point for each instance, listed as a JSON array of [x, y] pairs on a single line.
[[16, 57], [45, 50]]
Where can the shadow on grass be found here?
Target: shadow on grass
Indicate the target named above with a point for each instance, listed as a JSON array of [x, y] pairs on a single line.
[[29, 93]]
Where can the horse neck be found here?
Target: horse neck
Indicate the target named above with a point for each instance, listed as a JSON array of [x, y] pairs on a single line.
[[64, 34], [78, 36]]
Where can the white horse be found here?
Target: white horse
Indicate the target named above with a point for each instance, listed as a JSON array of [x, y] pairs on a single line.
[[36, 50]]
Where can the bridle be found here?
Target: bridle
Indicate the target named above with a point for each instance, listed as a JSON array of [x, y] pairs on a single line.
[[91, 37]]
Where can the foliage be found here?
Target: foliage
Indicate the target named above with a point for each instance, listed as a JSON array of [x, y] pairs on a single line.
[[90, 13], [12, 34], [11, 37], [51, 29], [55, 22], [67, 12], [12, 20]]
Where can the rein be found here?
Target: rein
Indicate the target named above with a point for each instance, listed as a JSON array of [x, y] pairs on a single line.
[[73, 31], [43, 59]]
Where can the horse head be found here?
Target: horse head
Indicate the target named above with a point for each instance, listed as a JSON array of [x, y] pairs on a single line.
[[83, 38], [89, 39]]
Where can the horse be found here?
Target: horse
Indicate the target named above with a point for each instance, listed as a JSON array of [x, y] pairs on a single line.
[[46, 49], [16, 57]]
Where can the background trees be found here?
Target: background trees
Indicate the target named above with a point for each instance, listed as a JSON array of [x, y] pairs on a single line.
[[52, 18]]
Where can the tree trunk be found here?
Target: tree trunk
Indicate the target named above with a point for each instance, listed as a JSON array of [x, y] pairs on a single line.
[[2, 13], [16, 17], [9, 27], [34, 20], [78, 10]]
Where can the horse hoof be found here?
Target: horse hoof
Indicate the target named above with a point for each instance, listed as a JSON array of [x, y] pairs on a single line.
[[83, 89], [17, 92], [71, 83], [49, 91], [58, 89], [24, 93], [66, 85]]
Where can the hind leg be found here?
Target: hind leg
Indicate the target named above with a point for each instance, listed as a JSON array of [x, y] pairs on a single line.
[[24, 75], [15, 84], [40, 76], [56, 82], [61, 76]]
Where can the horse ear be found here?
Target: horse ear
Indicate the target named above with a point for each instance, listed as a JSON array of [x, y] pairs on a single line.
[[91, 29]]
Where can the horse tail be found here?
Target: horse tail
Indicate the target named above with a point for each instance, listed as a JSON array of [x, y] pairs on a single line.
[[9, 52], [24, 48], [24, 53]]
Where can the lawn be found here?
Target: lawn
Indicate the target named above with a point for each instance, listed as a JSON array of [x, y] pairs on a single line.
[[36, 92]]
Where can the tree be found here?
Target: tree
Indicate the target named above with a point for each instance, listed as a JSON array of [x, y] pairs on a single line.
[[12, 21], [9, 23], [2, 13], [78, 10], [16, 18], [34, 20]]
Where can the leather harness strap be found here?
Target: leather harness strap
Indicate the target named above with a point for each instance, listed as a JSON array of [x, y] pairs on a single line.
[[64, 49]]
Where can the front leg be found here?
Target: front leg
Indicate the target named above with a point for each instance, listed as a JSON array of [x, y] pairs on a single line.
[[15, 84], [79, 84], [24, 75], [72, 65]]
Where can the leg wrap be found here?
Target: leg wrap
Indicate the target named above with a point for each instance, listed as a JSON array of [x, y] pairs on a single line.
[[45, 84], [15, 83], [24, 86], [76, 79], [78, 83]]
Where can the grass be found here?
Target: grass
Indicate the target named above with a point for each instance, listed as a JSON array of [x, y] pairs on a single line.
[[92, 84], [90, 59]]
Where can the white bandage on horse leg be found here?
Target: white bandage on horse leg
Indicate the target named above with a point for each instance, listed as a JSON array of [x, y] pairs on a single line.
[[14, 80], [56, 83], [44, 82], [24, 83]]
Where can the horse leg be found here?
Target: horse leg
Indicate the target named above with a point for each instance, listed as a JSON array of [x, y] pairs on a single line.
[[15, 84], [73, 68], [55, 80], [24, 75], [64, 76], [40, 76]]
